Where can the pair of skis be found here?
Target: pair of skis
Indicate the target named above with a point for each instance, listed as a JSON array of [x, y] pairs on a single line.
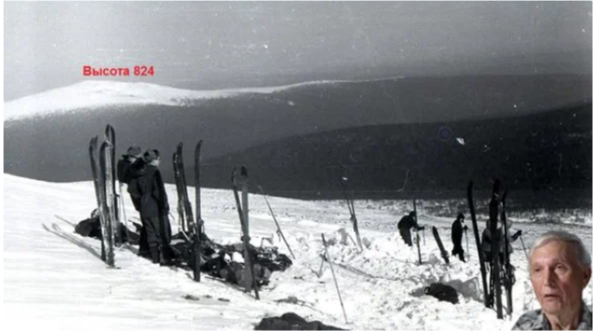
[[103, 172], [243, 213], [190, 226], [498, 269], [353, 216]]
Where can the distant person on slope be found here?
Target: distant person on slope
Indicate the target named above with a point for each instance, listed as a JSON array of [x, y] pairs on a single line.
[[148, 185], [406, 224], [458, 229]]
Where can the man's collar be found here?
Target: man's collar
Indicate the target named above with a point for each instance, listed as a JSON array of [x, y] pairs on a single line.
[[542, 323]]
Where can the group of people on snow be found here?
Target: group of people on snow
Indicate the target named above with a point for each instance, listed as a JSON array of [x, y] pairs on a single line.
[[409, 222], [559, 264], [559, 267]]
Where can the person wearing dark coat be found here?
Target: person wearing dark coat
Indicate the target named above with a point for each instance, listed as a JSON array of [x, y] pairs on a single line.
[[148, 186], [126, 160], [406, 224], [486, 241], [129, 162], [458, 229]]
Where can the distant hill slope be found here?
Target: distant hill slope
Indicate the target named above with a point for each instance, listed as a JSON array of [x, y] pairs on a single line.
[[547, 155], [45, 138]]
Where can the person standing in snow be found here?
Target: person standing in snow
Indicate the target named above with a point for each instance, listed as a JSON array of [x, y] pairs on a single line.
[[147, 184], [458, 229], [406, 224], [486, 241], [128, 162]]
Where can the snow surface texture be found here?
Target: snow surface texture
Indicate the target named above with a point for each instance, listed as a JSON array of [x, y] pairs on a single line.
[[94, 93], [54, 279]]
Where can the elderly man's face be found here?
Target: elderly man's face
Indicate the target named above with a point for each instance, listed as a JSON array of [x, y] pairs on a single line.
[[557, 276]]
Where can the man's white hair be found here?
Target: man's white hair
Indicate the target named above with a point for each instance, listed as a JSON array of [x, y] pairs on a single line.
[[582, 254]]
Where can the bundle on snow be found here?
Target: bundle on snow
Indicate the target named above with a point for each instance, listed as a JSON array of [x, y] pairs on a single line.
[[291, 321], [218, 260], [92, 228], [442, 292]]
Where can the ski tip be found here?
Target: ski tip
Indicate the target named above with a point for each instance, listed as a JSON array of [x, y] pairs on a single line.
[[243, 171]]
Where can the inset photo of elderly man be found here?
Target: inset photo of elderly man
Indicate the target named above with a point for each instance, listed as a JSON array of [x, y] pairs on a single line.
[[559, 269]]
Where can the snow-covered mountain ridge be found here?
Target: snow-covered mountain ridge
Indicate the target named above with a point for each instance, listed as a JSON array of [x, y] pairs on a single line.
[[96, 93]]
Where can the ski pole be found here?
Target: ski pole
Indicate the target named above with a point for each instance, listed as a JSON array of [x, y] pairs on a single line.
[[466, 237], [423, 237], [524, 248], [128, 236], [334, 276]]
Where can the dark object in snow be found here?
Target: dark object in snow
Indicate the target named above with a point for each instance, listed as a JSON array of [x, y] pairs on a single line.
[[442, 292], [216, 260], [191, 297], [291, 321], [92, 228]]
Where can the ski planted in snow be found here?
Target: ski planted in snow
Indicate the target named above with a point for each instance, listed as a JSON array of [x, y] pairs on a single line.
[[417, 239], [106, 203], [179, 197], [188, 210], [495, 285], [243, 212], [279, 230], [110, 137], [93, 153], [471, 205], [508, 274], [440, 244], [353, 216], [198, 219]]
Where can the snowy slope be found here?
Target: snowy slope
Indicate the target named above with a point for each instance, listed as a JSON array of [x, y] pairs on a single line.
[[93, 93], [55, 276]]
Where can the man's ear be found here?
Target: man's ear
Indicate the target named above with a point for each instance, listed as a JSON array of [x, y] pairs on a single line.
[[586, 276]]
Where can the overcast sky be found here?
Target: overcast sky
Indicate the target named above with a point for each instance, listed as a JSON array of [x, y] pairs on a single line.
[[202, 45]]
